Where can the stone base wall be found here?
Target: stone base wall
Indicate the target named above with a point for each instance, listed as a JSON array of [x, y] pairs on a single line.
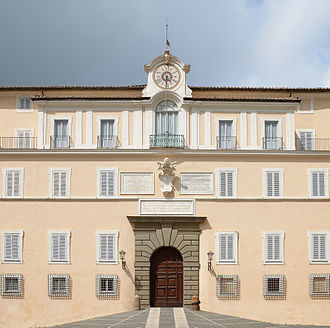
[[182, 236]]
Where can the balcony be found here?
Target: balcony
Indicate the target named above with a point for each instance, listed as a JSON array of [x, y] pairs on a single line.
[[107, 142], [272, 143], [226, 142], [64, 142], [308, 144], [18, 142], [166, 141]]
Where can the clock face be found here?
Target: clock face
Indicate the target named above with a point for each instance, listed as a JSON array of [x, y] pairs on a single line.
[[166, 76]]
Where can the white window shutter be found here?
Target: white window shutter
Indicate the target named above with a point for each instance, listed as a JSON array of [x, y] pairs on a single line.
[[269, 184], [59, 246], [62, 247], [223, 247], [273, 247], [276, 181], [223, 184], [63, 183], [9, 185], [107, 247], [227, 247], [12, 245], [107, 183], [321, 184], [319, 247], [56, 184]]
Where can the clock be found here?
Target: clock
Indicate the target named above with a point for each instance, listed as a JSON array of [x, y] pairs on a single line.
[[166, 76]]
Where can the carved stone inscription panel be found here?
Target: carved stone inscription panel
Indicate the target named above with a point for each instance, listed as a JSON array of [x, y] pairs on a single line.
[[196, 183], [166, 207], [137, 183]]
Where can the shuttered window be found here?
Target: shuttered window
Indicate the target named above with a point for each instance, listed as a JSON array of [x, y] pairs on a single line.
[[60, 182], [12, 246], [273, 183], [107, 246], [226, 183], [226, 246], [273, 247], [107, 182], [318, 244], [13, 182], [59, 246], [318, 183]]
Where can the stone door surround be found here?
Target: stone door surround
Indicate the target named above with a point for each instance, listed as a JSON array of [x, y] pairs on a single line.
[[151, 233]]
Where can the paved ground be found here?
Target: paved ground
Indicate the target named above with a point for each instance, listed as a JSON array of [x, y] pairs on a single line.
[[173, 318]]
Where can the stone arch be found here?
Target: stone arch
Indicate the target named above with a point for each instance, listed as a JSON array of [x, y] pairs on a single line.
[[184, 238]]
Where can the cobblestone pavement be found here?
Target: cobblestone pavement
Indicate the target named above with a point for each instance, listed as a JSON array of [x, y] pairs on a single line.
[[173, 318]]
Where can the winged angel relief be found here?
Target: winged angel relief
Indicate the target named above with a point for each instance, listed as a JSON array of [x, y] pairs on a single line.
[[167, 175]]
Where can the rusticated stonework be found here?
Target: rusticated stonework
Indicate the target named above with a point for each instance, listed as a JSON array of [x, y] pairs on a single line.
[[152, 233]]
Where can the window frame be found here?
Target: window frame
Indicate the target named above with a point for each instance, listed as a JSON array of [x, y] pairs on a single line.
[[299, 131], [98, 278], [4, 181], [235, 285], [23, 110], [265, 247], [115, 187], [67, 251], [310, 247], [310, 182], [311, 284], [279, 128], [217, 247], [19, 277], [52, 170], [67, 291], [20, 249], [107, 232], [281, 182], [281, 291], [218, 171]]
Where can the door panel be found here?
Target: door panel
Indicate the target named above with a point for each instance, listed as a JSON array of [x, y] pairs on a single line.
[[166, 278]]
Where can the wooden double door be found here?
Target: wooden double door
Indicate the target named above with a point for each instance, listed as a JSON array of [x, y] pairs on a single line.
[[166, 278]]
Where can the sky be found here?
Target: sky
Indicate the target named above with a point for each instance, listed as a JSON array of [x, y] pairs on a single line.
[[271, 43]]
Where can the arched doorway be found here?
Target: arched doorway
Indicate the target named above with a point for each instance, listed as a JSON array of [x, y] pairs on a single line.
[[166, 278]]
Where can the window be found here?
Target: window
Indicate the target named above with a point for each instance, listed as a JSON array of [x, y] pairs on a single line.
[[24, 139], [272, 140], [306, 139], [59, 285], [106, 285], [272, 183], [61, 137], [226, 140], [318, 246], [226, 183], [107, 246], [11, 284], [107, 138], [274, 285], [59, 242], [227, 285], [273, 247], [319, 284], [12, 246], [60, 182], [226, 246], [318, 183], [107, 182], [24, 104], [13, 182]]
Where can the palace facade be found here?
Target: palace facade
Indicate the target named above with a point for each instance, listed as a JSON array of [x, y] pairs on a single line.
[[164, 191]]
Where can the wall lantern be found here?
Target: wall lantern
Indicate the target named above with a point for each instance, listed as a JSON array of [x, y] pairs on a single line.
[[209, 263], [122, 257]]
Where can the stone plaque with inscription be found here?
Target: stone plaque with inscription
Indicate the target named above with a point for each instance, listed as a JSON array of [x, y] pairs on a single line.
[[196, 183], [137, 183], [166, 207]]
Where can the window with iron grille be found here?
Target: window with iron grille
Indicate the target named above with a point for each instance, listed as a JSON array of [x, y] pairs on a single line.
[[11, 284], [106, 285], [319, 284], [58, 285], [227, 285], [273, 285]]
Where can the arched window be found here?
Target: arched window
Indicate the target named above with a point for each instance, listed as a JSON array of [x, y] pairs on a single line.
[[166, 118]]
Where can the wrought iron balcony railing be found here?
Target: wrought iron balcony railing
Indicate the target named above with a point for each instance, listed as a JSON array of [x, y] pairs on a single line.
[[226, 142], [18, 142], [275, 143], [166, 140], [312, 144], [57, 142], [106, 142]]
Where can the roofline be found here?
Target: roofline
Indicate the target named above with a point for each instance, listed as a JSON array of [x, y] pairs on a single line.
[[36, 99], [246, 99], [141, 86]]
